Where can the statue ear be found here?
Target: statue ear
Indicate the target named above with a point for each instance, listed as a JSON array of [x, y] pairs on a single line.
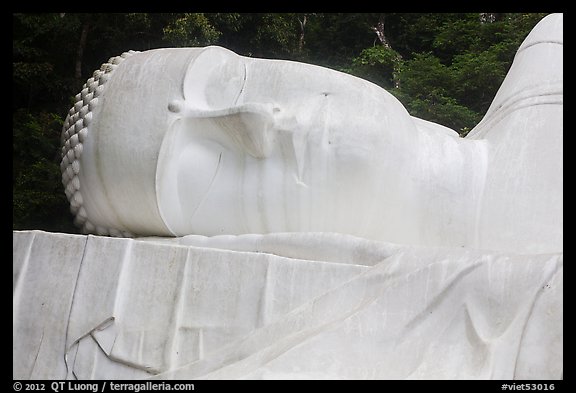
[[250, 126]]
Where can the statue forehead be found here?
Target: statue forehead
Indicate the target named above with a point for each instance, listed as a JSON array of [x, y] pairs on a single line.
[[217, 64]]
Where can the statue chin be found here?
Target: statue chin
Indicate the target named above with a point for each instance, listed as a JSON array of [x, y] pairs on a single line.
[[216, 143]]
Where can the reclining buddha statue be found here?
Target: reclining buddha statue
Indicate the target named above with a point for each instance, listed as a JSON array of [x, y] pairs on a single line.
[[269, 219], [174, 142]]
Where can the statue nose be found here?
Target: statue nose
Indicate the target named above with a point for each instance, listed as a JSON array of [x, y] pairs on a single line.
[[250, 126]]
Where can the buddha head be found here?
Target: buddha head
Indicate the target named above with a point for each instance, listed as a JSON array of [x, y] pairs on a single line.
[[172, 142]]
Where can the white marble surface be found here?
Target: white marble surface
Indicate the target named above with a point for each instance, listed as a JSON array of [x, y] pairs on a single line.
[[181, 141], [246, 307], [390, 247], [522, 206]]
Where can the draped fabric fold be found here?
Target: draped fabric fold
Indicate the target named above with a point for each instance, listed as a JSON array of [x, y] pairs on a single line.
[[157, 308]]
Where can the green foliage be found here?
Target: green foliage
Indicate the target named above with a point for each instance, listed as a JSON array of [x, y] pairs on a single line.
[[334, 39], [454, 36], [378, 64], [431, 90], [455, 74], [190, 30], [271, 35], [423, 74], [40, 78], [37, 192], [426, 90], [437, 107], [477, 78]]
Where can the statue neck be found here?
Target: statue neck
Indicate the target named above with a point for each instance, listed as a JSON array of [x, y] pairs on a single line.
[[450, 177]]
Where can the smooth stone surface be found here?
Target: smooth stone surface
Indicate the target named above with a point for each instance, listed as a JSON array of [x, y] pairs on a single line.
[[390, 247], [247, 307], [204, 141]]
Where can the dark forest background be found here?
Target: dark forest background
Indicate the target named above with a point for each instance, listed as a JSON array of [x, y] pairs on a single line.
[[443, 67]]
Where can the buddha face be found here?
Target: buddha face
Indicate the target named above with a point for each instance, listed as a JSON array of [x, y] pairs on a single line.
[[171, 142], [203, 141], [258, 146]]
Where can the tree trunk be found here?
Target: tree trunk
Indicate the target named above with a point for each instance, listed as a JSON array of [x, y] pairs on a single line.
[[302, 26], [487, 17], [80, 51], [379, 30]]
